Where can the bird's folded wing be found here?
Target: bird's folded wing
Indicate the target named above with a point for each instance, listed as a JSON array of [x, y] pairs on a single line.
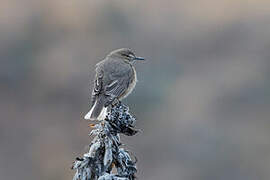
[[112, 80], [115, 89], [119, 83], [98, 83]]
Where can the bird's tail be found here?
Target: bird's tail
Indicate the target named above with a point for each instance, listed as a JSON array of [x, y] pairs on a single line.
[[98, 110]]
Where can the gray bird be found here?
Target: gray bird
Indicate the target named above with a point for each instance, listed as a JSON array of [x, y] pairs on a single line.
[[115, 79]]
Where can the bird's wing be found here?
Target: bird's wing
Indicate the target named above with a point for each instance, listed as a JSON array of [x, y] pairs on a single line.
[[118, 83], [112, 80], [117, 87], [98, 84]]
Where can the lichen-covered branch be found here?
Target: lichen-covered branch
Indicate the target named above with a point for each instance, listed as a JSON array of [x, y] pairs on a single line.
[[105, 152]]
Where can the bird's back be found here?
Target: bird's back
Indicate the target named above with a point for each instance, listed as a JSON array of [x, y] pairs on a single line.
[[113, 69]]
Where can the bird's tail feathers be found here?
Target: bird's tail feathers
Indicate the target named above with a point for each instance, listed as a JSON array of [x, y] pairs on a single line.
[[98, 110]]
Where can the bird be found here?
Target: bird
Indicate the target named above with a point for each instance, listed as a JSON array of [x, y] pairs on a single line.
[[114, 80]]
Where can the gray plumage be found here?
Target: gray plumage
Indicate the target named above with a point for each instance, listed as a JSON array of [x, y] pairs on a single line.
[[115, 79]]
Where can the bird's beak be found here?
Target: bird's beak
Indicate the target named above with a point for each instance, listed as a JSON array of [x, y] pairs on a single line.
[[139, 59]]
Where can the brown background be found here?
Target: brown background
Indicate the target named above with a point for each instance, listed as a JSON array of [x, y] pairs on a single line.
[[202, 101]]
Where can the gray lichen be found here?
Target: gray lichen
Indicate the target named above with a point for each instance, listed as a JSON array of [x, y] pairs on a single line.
[[105, 152]]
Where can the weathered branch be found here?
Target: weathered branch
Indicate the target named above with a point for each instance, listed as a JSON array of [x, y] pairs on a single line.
[[105, 152]]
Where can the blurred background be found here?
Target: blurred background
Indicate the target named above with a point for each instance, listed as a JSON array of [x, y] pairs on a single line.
[[202, 100]]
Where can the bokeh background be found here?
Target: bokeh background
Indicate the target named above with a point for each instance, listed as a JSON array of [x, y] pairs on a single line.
[[202, 101]]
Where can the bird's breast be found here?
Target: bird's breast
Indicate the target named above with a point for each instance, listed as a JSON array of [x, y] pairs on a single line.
[[131, 85]]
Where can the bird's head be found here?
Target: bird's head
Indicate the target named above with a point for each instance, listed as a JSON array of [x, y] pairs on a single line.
[[125, 54]]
